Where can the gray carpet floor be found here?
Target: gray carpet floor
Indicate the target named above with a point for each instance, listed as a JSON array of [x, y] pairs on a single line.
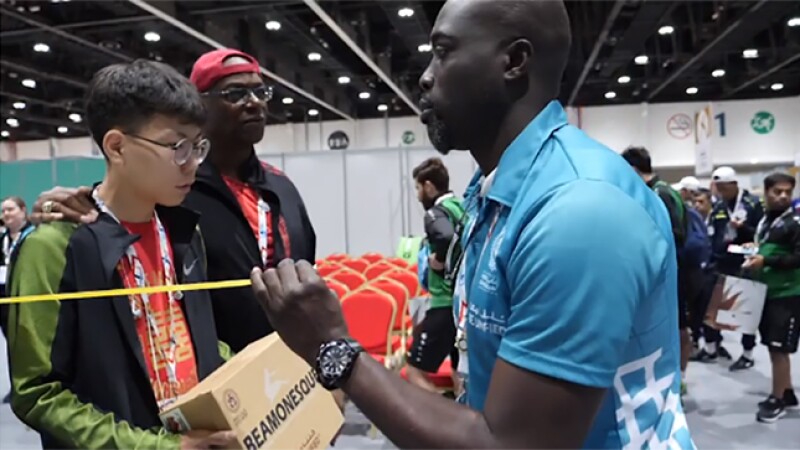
[[720, 409]]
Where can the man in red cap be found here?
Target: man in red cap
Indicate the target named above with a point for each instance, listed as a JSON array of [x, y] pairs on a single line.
[[251, 213]]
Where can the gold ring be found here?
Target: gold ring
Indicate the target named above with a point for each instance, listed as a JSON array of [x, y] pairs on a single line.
[[47, 207]]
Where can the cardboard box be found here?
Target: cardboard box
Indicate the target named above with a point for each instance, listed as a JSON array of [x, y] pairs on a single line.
[[268, 395]]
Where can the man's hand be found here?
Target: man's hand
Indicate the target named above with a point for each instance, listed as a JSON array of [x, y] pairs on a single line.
[[737, 223], [202, 440], [434, 263], [301, 307], [755, 262], [69, 204]]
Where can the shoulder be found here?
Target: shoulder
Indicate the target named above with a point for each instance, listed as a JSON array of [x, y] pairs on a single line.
[[589, 211], [48, 238]]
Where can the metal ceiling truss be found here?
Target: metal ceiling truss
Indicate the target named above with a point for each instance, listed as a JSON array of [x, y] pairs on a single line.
[[326, 18], [148, 7]]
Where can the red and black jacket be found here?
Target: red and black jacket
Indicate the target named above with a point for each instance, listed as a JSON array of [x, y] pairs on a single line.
[[232, 247]]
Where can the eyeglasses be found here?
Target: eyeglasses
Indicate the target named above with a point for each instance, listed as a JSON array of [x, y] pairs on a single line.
[[240, 95], [184, 149]]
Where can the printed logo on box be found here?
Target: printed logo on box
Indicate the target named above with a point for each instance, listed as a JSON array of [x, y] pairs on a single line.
[[231, 400]]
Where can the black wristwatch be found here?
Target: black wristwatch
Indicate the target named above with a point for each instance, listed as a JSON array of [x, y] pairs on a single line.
[[335, 362]]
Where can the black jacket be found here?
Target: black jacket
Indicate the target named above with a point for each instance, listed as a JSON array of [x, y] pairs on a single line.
[[729, 263], [77, 367], [233, 248]]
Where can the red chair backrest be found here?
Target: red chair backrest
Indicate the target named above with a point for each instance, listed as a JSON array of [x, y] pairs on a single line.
[[326, 270], [398, 293], [369, 316], [340, 289], [336, 257], [353, 280], [399, 262], [359, 265], [372, 257], [377, 269], [407, 279]]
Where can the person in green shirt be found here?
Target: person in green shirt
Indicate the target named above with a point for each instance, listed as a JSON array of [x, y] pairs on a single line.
[[777, 264], [434, 337]]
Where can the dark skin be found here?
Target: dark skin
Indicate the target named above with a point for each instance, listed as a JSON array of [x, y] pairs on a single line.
[[234, 129], [522, 409]]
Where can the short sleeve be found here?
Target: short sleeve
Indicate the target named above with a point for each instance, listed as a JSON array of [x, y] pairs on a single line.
[[577, 274]]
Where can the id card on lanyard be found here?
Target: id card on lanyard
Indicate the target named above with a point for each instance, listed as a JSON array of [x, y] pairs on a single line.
[[263, 231], [738, 213], [460, 297], [133, 274]]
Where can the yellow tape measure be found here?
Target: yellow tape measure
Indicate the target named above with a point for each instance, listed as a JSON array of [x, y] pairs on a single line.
[[206, 286]]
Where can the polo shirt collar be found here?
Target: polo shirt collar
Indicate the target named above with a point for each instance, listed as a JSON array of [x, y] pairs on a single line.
[[519, 156]]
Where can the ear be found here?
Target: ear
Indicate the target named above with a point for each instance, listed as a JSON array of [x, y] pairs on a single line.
[[113, 144], [518, 54]]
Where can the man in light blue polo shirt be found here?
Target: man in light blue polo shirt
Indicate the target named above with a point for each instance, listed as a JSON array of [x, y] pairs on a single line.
[[566, 294]]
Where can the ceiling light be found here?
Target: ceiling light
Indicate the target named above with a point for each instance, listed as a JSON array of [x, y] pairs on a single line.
[[364, 95], [12, 122], [641, 60], [665, 30], [776, 86], [624, 79], [405, 12], [75, 117], [314, 56], [343, 80], [41, 47], [5, 134], [28, 83], [794, 22], [691, 90], [63, 130], [287, 100], [19, 105], [383, 108], [611, 94], [750, 53], [152, 36], [719, 73], [273, 25], [424, 48], [313, 112]]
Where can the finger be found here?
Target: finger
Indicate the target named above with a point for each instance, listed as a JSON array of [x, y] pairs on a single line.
[[79, 203], [288, 275], [259, 288], [274, 288], [222, 439], [91, 217], [306, 272]]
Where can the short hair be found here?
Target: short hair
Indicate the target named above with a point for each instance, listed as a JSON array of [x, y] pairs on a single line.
[[127, 95], [433, 170], [704, 192], [639, 158], [778, 178], [17, 200]]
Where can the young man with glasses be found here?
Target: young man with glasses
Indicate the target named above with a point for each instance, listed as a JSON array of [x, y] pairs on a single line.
[[251, 213], [95, 373]]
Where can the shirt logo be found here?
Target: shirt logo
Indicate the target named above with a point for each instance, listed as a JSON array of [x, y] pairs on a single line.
[[188, 269]]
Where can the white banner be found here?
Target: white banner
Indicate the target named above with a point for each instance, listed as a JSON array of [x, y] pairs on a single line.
[[703, 130]]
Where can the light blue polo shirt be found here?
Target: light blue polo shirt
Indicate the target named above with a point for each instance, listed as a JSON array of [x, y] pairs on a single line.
[[569, 271]]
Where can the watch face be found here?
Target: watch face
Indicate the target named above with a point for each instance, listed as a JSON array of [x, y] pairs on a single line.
[[334, 361]]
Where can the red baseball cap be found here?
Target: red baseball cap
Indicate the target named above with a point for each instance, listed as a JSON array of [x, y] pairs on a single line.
[[209, 68]]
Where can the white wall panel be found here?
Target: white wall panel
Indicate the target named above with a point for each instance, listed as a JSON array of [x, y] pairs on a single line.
[[374, 200], [319, 177]]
